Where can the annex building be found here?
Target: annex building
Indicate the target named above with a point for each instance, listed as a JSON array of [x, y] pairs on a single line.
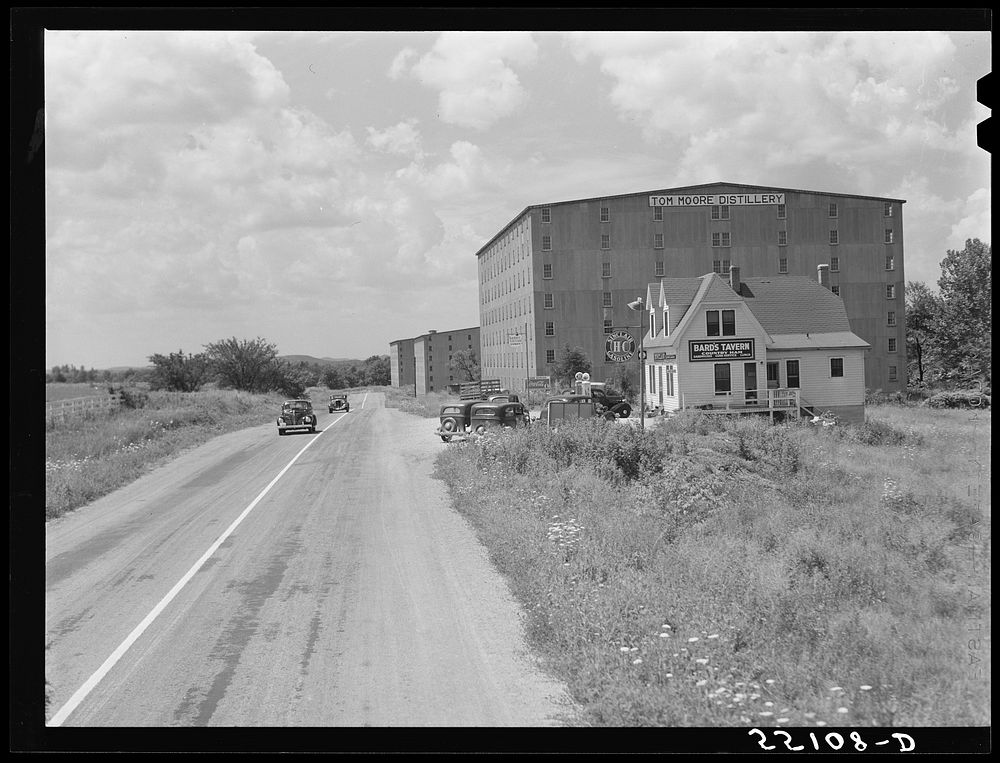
[[778, 345], [563, 273], [426, 360]]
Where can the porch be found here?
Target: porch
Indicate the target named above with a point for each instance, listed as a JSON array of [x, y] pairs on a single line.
[[785, 402]]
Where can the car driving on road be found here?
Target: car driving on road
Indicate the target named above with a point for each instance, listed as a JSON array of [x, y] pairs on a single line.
[[296, 415], [339, 403]]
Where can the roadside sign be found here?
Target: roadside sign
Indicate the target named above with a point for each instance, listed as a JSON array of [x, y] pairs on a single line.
[[619, 346], [515, 340], [642, 354], [538, 382]]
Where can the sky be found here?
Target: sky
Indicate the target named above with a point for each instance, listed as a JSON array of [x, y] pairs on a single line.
[[328, 192]]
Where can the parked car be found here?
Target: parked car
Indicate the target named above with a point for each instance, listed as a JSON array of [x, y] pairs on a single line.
[[296, 415], [484, 416], [610, 399], [454, 419], [339, 403], [476, 416]]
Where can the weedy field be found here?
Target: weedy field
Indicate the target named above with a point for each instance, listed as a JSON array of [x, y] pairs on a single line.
[[730, 572]]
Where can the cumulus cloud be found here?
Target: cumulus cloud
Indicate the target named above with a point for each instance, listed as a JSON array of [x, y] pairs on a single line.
[[780, 99], [474, 74], [402, 138]]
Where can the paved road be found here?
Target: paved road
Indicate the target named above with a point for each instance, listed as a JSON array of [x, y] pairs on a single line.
[[346, 592]]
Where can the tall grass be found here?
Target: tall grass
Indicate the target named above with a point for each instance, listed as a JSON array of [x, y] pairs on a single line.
[[717, 572]]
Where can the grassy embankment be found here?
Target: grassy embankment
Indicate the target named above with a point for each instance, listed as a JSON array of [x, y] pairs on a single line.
[[711, 572]]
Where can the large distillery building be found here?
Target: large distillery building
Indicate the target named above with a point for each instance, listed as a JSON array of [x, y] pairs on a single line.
[[563, 273]]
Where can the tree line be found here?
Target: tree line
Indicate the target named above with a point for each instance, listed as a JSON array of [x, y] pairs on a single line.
[[949, 331], [249, 365]]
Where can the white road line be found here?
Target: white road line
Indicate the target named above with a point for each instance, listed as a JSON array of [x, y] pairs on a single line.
[[365, 400], [101, 672]]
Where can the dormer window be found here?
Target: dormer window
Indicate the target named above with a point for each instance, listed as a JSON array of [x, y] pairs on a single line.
[[666, 321]]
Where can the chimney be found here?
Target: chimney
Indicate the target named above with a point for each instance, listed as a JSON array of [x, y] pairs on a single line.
[[734, 278], [823, 275]]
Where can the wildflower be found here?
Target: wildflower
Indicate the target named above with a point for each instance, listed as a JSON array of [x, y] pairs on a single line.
[[637, 661], [820, 723], [835, 688], [670, 675], [766, 714], [810, 716], [702, 682], [769, 681], [666, 625], [702, 661], [664, 635], [768, 704], [692, 639], [865, 687], [842, 710], [623, 649], [782, 720]]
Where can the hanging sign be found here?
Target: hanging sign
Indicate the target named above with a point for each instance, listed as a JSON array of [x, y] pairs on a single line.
[[619, 346]]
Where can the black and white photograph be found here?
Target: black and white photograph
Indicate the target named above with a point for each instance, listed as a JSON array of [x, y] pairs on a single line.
[[451, 376]]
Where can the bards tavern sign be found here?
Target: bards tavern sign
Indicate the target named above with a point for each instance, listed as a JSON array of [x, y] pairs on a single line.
[[732, 349], [703, 199]]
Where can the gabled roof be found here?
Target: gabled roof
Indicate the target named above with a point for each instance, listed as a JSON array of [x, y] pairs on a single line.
[[794, 305], [794, 311]]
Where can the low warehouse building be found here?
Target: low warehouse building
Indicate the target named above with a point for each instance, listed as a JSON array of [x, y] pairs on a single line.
[[780, 345]]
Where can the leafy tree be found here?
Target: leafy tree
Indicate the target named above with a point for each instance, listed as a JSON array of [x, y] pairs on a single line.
[[922, 308], [332, 378], [465, 366], [625, 378], [964, 324], [569, 362], [57, 374], [250, 365], [377, 371], [177, 372]]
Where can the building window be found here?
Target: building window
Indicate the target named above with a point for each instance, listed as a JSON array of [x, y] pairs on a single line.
[[546, 243], [892, 344], [835, 264], [892, 373], [550, 356], [721, 238], [607, 325], [782, 238], [890, 291], [605, 241], [720, 211], [550, 328], [728, 323], [605, 270], [546, 215], [712, 323], [547, 270], [548, 303], [606, 299], [782, 264], [772, 374], [836, 368], [834, 237], [887, 209], [659, 271], [888, 235], [717, 266], [781, 212], [723, 383], [836, 290], [657, 240], [605, 214], [792, 373], [833, 209], [658, 214], [890, 262], [891, 318]]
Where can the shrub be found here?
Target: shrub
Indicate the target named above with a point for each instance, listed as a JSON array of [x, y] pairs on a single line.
[[959, 399]]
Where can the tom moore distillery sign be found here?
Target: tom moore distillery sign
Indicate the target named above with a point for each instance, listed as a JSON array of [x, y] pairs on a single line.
[[703, 199], [730, 349]]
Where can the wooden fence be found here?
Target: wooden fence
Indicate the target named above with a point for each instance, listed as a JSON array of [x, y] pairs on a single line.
[[62, 410]]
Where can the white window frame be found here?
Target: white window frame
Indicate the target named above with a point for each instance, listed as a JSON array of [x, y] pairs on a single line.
[[834, 237], [605, 241], [546, 243], [832, 374], [657, 240], [605, 214]]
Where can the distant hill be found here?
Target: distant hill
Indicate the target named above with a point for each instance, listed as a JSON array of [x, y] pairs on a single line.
[[295, 359]]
